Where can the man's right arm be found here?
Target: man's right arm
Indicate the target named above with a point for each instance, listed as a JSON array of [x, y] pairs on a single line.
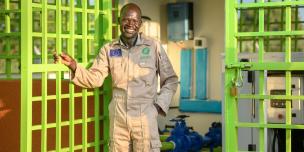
[[92, 77]]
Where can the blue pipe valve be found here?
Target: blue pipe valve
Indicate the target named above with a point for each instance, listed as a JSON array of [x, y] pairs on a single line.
[[187, 140], [184, 137]]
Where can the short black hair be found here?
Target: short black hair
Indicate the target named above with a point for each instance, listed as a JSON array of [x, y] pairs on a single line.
[[130, 5]]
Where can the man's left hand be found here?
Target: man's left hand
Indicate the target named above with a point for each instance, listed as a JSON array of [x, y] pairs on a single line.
[[159, 110]]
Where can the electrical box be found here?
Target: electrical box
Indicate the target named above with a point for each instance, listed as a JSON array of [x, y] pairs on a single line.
[[180, 21], [276, 112]]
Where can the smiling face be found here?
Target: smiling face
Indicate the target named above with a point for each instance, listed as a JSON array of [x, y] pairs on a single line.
[[130, 21]]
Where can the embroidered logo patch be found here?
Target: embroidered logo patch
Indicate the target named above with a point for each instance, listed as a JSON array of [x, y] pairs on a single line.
[[115, 53], [145, 51]]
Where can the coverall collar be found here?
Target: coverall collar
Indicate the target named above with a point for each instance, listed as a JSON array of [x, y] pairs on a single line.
[[141, 40]]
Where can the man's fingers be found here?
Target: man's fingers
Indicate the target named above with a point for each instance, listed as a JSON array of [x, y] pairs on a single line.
[[65, 56], [56, 57], [65, 62]]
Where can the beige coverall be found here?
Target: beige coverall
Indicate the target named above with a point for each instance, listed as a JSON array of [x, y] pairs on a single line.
[[133, 115]]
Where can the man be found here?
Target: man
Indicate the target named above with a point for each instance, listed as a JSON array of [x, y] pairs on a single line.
[[134, 62]]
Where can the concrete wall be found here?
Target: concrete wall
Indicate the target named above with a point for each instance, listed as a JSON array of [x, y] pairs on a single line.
[[209, 21]]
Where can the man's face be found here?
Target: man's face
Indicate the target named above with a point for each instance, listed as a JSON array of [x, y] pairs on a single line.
[[130, 23]]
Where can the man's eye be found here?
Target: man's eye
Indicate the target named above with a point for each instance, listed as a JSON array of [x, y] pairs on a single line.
[[130, 21]]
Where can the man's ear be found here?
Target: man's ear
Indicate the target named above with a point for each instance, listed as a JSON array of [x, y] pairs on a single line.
[[141, 21]]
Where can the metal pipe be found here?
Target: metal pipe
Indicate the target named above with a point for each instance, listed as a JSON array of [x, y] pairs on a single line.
[[163, 137], [167, 146]]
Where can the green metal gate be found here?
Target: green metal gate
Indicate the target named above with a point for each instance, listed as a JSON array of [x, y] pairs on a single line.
[[9, 39], [79, 28], [261, 26]]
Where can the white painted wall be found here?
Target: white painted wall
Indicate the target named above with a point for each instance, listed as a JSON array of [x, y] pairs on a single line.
[[209, 19]]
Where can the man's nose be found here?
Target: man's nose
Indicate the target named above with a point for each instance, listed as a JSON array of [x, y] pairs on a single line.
[[131, 22]]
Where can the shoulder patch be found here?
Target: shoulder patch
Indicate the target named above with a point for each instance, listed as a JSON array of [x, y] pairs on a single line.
[[115, 53]]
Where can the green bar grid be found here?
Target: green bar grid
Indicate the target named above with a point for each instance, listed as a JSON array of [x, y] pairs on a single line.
[[102, 12], [8, 35], [233, 66]]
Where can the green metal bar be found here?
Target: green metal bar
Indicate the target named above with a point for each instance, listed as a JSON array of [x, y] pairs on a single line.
[[283, 97], [63, 96], [7, 41], [84, 32], [97, 119], [279, 66], [288, 76], [58, 111], [282, 27], [7, 11], [48, 67], [106, 29], [270, 4], [231, 142], [44, 79], [261, 80], [84, 119], [267, 41], [273, 33], [117, 12], [53, 35], [71, 86], [44, 112], [58, 77], [84, 23], [296, 22], [26, 77], [97, 91], [240, 29], [10, 57], [12, 34], [257, 125], [65, 8], [65, 123]]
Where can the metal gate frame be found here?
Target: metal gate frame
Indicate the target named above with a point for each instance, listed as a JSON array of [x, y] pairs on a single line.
[[102, 12], [233, 67]]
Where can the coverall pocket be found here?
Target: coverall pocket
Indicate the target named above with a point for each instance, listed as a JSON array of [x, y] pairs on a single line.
[[146, 72], [117, 71]]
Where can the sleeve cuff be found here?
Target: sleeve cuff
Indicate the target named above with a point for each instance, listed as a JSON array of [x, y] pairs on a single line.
[[73, 75], [163, 102]]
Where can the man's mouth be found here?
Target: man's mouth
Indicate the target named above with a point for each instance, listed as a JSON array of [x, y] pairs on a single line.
[[129, 30]]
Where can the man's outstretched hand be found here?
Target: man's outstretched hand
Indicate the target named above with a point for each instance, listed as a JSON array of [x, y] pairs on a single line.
[[66, 60]]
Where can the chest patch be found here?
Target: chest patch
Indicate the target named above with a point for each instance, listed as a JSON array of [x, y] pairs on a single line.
[[115, 53], [145, 53]]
